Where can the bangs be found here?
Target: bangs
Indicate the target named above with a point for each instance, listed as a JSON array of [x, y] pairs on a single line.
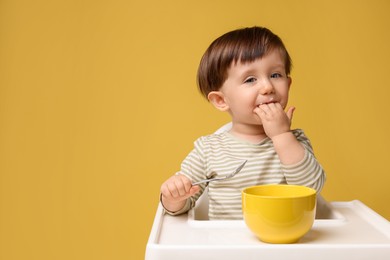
[[244, 53], [249, 45]]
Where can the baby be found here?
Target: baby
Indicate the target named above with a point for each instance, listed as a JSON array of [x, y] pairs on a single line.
[[246, 73]]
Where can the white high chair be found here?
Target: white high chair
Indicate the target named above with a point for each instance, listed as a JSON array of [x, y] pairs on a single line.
[[201, 209], [342, 230]]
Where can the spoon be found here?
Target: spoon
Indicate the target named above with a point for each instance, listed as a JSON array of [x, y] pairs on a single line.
[[222, 178]]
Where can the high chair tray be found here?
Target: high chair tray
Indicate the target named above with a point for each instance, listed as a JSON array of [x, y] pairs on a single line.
[[353, 231]]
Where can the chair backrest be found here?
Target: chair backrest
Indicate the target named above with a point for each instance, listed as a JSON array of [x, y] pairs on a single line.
[[224, 128]]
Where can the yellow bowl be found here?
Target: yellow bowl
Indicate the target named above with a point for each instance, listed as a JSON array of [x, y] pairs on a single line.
[[279, 213]]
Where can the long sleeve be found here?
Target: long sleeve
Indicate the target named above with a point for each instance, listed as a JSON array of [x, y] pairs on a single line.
[[308, 172], [194, 168]]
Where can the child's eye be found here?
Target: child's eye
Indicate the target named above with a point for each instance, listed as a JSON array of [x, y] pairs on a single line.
[[250, 80], [276, 75]]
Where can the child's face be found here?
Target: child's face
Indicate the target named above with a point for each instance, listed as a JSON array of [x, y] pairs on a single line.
[[251, 84]]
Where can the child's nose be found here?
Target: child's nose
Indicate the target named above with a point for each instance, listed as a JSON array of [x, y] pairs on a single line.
[[266, 87]]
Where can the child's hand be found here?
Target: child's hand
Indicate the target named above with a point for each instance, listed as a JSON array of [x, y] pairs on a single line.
[[274, 119], [176, 190]]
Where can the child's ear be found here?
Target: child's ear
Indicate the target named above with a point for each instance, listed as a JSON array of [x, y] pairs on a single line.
[[289, 82], [218, 100]]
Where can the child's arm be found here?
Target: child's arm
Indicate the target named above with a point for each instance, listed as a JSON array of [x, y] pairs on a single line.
[[175, 191], [276, 123], [299, 164]]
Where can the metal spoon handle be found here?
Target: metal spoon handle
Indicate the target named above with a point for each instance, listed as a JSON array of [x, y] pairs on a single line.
[[205, 181], [221, 178]]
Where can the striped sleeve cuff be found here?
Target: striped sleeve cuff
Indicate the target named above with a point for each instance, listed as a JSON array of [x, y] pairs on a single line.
[[186, 208]]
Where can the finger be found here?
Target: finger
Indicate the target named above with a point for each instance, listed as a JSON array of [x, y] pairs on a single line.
[[173, 190], [165, 191], [257, 110], [290, 113], [180, 187], [262, 114], [265, 108], [278, 106], [263, 111], [186, 183], [275, 107], [259, 113], [194, 189]]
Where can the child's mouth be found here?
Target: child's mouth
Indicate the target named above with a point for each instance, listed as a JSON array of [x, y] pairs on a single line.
[[266, 103], [269, 101]]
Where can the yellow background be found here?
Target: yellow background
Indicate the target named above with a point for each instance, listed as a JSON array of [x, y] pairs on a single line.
[[98, 106]]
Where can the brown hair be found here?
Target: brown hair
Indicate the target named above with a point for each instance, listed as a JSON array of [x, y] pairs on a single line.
[[242, 45]]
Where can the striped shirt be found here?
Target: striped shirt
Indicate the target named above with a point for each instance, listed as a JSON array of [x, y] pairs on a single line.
[[218, 155]]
